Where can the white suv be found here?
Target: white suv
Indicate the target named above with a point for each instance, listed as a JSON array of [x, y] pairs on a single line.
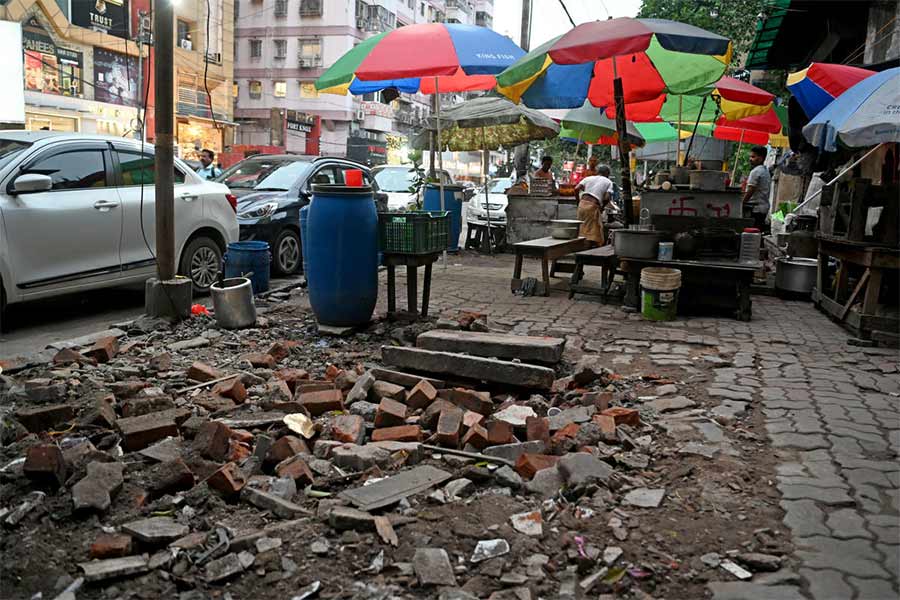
[[77, 213]]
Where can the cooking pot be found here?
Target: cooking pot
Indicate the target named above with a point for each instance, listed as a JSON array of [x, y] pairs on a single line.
[[564, 229], [636, 243], [796, 274]]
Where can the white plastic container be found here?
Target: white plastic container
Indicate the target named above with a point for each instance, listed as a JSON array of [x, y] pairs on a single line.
[[751, 240], [666, 251]]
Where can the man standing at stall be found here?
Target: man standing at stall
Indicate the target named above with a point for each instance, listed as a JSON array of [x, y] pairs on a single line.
[[208, 170], [756, 195], [595, 195]]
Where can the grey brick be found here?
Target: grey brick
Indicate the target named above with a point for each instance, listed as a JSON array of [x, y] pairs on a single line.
[[847, 523], [829, 496], [827, 585], [737, 590], [850, 556], [804, 518], [874, 589]]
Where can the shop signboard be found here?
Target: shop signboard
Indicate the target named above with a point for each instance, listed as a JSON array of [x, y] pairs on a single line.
[[49, 68], [298, 121], [115, 78], [108, 16]]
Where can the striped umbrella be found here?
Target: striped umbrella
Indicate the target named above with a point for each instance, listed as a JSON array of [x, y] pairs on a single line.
[[818, 84]]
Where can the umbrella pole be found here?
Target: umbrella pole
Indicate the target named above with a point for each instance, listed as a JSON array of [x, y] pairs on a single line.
[[736, 157], [678, 160], [487, 198], [440, 157], [619, 94], [694, 133]]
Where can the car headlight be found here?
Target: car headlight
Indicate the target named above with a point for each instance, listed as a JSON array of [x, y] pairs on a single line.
[[486, 206], [259, 212]]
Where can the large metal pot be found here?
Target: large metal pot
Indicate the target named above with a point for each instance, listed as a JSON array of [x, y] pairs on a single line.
[[636, 244], [233, 303], [564, 229], [796, 274]]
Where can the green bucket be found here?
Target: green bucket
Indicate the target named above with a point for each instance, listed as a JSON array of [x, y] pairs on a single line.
[[659, 293]]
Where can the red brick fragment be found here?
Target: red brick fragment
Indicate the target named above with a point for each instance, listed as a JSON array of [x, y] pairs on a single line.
[[279, 351], [567, 432], [319, 403], [237, 451], [607, 426], [140, 432], [390, 413], [448, 427], [286, 447], [160, 362], [402, 433], [111, 545], [202, 372], [386, 389], [68, 356], [242, 435], [349, 428], [476, 436], [231, 388], [623, 416], [599, 399], [228, 480], [479, 402], [537, 428], [169, 477], [499, 432], [421, 395], [212, 440], [297, 469], [471, 417], [292, 376], [45, 464], [260, 360], [44, 417], [332, 372], [430, 415], [529, 464], [104, 349]]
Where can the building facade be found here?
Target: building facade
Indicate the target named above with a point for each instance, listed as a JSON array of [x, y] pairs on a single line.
[[87, 68], [283, 46]]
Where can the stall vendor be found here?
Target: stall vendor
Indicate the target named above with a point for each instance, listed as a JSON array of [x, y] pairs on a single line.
[[595, 195], [591, 168], [756, 195]]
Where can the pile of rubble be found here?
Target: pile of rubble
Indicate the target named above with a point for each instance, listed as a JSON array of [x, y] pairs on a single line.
[[190, 478]]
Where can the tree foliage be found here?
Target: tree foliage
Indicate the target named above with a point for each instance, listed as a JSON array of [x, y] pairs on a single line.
[[734, 19]]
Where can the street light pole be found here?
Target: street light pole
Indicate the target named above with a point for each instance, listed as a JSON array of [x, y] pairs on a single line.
[[164, 117]]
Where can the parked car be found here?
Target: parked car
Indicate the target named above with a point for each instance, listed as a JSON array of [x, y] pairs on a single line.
[[241, 178], [269, 211], [497, 201], [401, 183], [77, 213]]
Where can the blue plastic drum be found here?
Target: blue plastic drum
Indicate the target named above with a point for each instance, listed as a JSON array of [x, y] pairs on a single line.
[[342, 255], [251, 260], [304, 220], [453, 196]]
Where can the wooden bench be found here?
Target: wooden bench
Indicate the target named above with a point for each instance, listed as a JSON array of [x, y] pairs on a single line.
[[548, 249], [412, 262], [603, 257]]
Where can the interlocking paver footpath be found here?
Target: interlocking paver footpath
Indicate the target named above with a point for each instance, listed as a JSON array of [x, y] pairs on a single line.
[[831, 409]]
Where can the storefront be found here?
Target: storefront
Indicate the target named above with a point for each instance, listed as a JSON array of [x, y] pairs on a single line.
[[60, 113], [194, 134], [302, 132]]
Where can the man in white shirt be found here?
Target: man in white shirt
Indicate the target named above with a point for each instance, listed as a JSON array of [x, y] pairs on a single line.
[[756, 196], [597, 192]]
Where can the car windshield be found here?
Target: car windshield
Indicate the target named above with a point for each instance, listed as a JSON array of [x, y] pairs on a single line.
[[284, 176], [9, 149], [395, 180], [248, 174], [499, 186]]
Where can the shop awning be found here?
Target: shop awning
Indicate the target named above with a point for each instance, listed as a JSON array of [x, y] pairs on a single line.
[[793, 33]]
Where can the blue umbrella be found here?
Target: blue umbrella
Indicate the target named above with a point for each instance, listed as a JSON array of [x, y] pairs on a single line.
[[865, 115]]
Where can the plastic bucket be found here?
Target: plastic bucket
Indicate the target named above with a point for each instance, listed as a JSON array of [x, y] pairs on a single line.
[[666, 251], [452, 204], [249, 259], [659, 293]]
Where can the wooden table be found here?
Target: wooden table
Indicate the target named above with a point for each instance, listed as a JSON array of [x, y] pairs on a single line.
[[412, 262], [484, 238], [872, 263], [604, 257], [707, 282], [548, 249]]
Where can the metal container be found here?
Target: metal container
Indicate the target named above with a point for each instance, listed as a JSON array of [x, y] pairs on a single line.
[[796, 274], [636, 244], [233, 303], [713, 181], [564, 229]]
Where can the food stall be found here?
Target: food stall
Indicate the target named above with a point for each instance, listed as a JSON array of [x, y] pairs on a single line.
[[529, 216]]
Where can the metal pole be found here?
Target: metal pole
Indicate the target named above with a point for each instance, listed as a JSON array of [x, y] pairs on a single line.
[[619, 94], [696, 124], [678, 160], [440, 157], [487, 199], [526, 25], [431, 143], [736, 157], [164, 118], [140, 86]]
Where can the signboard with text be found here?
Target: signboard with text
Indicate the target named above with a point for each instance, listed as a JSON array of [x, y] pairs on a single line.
[[49, 68], [115, 78], [298, 121], [108, 16]]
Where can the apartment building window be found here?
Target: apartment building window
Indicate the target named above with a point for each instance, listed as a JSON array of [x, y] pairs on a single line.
[[281, 49], [308, 90], [255, 89], [281, 7], [310, 8], [255, 48], [237, 9], [235, 89], [184, 35], [411, 4], [280, 89], [310, 53], [422, 8]]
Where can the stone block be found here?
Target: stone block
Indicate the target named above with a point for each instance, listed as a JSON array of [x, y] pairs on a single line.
[[360, 389], [279, 507], [429, 417], [135, 407], [160, 362], [578, 468], [96, 489], [169, 477], [512, 452], [156, 530], [546, 350], [359, 458]]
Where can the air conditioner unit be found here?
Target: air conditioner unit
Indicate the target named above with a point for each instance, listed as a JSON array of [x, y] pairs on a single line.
[[305, 63], [214, 57]]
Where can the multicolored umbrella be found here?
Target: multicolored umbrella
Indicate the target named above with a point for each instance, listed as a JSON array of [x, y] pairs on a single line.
[[865, 115], [818, 84], [462, 57], [657, 57], [768, 128], [590, 124]]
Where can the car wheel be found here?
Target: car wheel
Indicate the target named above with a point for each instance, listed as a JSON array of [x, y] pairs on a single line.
[[287, 254], [201, 262]]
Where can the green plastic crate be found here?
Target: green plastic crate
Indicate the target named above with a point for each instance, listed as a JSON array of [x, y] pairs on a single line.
[[415, 232]]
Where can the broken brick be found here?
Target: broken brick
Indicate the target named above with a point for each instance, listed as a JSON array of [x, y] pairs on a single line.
[[212, 440], [297, 469], [127, 389], [104, 349], [448, 426], [349, 428], [242, 435], [260, 360], [228, 480], [45, 464], [528, 464], [319, 403], [44, 418], [384, 389], [476, 436], [237, 451], [68, 356], [390, 413], [96, 489], [286, 447], [607, 426], [623, 416], [332, 372], [499, 432], [231, 388], [570, 431], [101, 413], [135, 407], [279, 351], [278, 392], [160, 362], [430, 415], [472, 418], [421, 395], [600, 400], [111, 545], [140, 432], [169, 477], [537, 428], [292, 376], [402, 433], [202, 372], [304, 387], [479, 402]]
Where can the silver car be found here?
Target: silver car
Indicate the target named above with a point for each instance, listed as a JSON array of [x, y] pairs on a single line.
[[77, 213]]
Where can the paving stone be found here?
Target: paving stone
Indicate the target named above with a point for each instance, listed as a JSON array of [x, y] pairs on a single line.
[[850, 556], [799, 440], [738, 590], [829, 496], [96, 489], [671, 404], [730, 394], [827, 584], [874, 588], [804, 518], [847, 523]]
